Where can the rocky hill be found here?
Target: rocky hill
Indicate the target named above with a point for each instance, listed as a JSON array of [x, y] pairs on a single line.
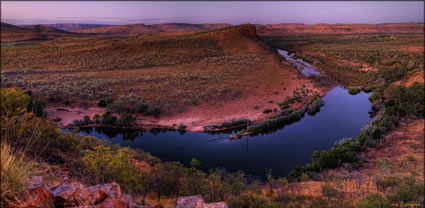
[[141, 29], [10, 33], [280, 29]]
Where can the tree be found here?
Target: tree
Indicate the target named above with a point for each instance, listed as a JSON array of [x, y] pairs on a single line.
[[167, 178], [218, 188], [270, 181], [195, 163], [281, 183]]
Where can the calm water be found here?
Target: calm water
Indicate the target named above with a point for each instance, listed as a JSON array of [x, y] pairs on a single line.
[[343, 115]]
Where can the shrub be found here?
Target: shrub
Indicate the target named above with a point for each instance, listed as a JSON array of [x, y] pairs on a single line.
[[126, 119], [13, 101], [329, 192], [108, 118], [182, 127], [153, 111], [267, 110], [105, 165], [102, 103], [353, 91], [37, 105], [373, 201]]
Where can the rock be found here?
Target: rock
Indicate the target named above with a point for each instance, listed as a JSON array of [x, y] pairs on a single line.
[[67, 195], [95, 195], [197, 202], [74, 195], [37, 196]]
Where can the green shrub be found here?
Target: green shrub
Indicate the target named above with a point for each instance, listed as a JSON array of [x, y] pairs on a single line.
[[373, 201], [353, 91], [105, 165], [13, 101]]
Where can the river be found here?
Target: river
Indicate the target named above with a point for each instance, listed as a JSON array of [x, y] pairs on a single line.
[[342, 116]]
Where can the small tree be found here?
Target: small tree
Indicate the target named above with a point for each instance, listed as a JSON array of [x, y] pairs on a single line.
[[270, 181], [195, 163]]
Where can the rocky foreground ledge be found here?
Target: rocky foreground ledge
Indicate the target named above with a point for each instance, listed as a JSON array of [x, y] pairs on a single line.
[[75, 195]]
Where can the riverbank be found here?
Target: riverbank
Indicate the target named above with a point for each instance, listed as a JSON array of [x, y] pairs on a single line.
[[195, 118], [261, 104]]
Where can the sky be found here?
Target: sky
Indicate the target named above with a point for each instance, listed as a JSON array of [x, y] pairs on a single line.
[[236, 12]]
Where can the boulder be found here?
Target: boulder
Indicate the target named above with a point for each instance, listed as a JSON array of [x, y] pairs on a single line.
[[74, 195], [197, 202], [95, 195], [67, 195], [37, 195]]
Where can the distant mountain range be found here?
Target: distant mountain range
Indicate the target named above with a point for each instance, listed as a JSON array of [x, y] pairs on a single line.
[[278, 29], [141, 29], [49, 31], [73, 26]]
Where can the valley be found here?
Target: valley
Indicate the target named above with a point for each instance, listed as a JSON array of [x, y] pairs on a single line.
[[284, 115]]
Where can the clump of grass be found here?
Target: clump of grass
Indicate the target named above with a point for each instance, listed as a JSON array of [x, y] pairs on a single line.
[[14, 173]]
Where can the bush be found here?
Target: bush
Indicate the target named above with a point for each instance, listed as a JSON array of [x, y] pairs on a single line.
[[105, 165], [13, 101], [353, 91], [102, 103], [126, 119], [37, 105], [329, 192], [182, 127], [267, 110], [373, 201]]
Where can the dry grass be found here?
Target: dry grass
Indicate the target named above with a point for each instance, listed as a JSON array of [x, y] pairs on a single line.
[[15, 170]]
